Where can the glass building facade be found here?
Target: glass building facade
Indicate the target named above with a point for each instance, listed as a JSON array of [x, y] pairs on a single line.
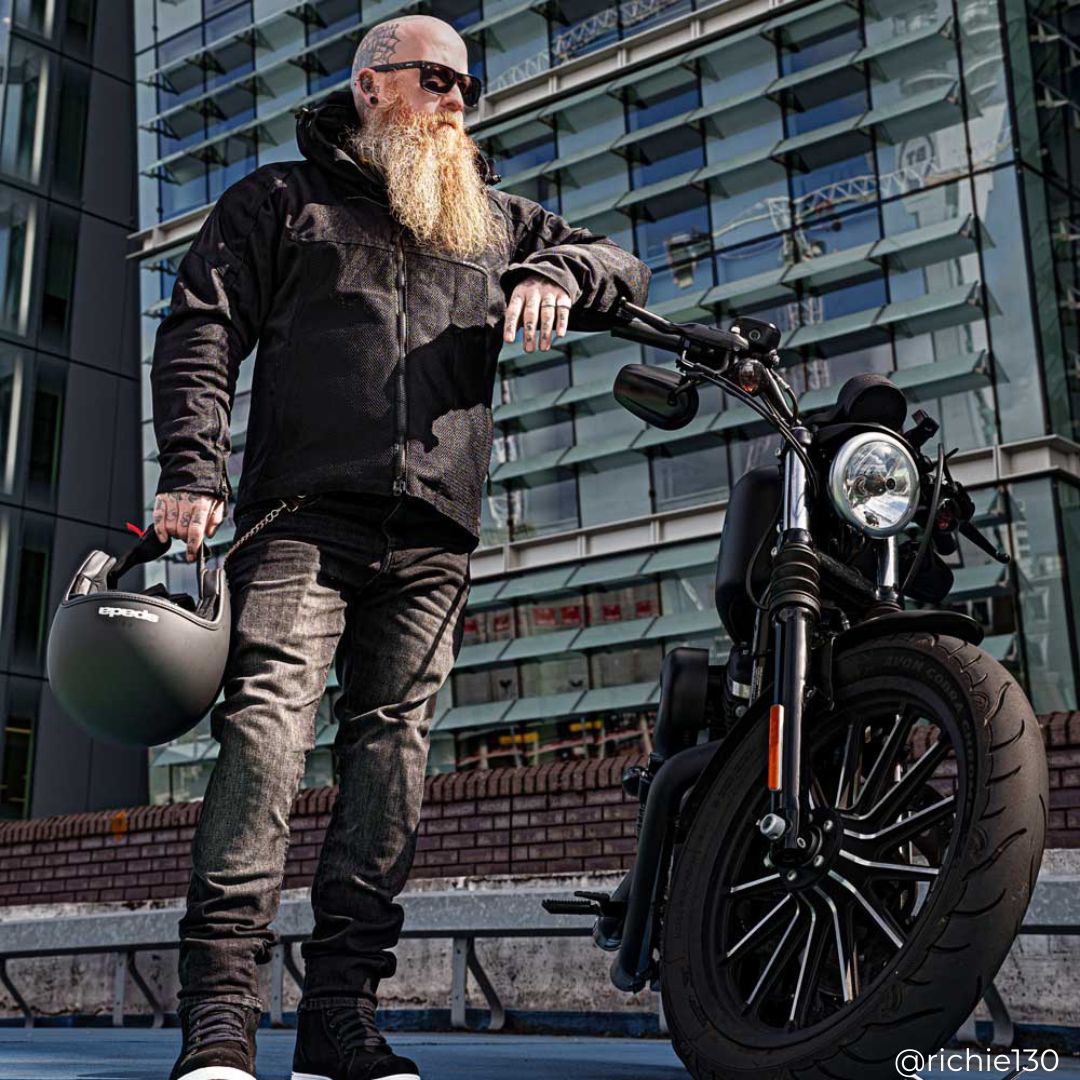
[[69, 373], [890, 183]]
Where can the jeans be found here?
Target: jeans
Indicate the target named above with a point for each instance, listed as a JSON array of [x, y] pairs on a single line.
[[379, 584]]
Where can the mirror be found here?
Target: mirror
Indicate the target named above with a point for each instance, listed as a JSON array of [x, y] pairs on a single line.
[[649, 392]]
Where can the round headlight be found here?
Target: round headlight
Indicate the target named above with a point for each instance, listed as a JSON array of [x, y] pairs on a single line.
[[874, 483]]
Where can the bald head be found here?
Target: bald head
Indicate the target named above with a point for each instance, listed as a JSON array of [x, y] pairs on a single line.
[[410, 37]]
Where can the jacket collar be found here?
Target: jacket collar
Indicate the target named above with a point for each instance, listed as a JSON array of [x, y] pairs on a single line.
[[319, 132]]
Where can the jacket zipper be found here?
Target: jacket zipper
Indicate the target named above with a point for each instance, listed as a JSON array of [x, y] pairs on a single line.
[[402, 328]]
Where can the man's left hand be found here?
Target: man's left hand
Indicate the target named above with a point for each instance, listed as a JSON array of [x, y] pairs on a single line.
[[543, 308]]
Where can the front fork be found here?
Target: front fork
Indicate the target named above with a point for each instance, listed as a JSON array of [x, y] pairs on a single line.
[[794, 608], [793, 612]]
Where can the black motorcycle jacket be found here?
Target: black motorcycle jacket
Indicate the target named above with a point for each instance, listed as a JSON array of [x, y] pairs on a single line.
[[376, 358]]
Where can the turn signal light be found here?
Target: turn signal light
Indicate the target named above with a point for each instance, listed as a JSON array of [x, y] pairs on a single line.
[[776, 745], [750, 376]]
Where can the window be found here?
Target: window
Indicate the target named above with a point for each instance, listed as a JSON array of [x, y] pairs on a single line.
[[558, 675], [484, 685], [638, 663], [551, 613], [71, 131], [79, 27], [59, 276], [35, 16], [23, 145], [46, 424], [20, 720], [635, 601], [494, 624], [18, 220], [30, 612]]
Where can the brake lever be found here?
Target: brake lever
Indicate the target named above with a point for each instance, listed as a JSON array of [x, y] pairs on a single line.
[[980, 541]]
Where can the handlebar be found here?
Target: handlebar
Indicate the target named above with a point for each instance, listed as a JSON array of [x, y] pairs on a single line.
[[640, 332], [706, 344]]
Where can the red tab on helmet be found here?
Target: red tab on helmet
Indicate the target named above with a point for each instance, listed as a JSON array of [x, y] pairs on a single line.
[[135, 529]]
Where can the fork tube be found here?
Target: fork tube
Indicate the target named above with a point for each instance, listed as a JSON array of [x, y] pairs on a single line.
[[792, 652], [794, 607], [796, 511], [888, 570]]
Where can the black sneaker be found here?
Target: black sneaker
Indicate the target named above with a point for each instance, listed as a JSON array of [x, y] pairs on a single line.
[[340, 1041], [219, 1041]]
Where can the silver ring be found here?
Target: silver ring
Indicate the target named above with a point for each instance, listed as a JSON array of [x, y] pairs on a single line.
[[544, 303]]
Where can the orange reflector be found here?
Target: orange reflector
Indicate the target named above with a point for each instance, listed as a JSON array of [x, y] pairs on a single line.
[[776, 745]]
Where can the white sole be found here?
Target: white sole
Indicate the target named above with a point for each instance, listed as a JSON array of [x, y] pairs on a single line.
[[216, 1072], [317, 1076]]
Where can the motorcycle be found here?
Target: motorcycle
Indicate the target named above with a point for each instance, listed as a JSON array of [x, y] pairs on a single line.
[[839, 829]]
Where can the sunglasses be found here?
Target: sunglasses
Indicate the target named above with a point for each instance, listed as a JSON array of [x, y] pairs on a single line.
[[440, 79]]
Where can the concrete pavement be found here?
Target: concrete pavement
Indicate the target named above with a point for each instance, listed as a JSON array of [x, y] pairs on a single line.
[[144, 1054]]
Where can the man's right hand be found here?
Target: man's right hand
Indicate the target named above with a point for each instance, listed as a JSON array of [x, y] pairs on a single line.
[[188, 517]]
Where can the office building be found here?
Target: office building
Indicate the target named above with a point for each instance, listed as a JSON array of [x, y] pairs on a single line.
[[70, 473], [890, 183]]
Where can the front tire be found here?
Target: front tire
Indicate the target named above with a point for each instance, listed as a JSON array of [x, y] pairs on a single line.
[[890, 940]]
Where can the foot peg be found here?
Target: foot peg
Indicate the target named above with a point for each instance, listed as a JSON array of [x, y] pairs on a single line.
[[591, 903]]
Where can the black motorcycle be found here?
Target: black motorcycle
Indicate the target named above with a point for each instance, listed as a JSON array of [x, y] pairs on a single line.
[[840, 828]]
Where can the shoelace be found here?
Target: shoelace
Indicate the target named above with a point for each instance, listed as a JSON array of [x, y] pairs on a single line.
[[355, 1028], [216, 1021]]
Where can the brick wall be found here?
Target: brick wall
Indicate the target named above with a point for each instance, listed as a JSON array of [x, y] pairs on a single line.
[[567, 816]]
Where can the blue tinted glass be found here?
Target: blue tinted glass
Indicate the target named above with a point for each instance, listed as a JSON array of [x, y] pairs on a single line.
[[831, 229], [810, 54], [748, 260], [180, 197], [684, 154], [219, 127], [830, 112], [225, 25], [337, 15], [458, 13], [168, 145], [636, 17], [663, 104], [179, 45], [817, 192], [521, 155], [860, 297], [675, 248], [242, 160], [585, 25]]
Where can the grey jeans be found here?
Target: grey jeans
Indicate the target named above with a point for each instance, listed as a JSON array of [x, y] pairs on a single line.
[[379, 583]]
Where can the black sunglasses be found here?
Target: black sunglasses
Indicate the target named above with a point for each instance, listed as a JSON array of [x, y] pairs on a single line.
[[440, 79]]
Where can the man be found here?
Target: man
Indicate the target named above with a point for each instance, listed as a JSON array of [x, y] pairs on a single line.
[[380, 276]]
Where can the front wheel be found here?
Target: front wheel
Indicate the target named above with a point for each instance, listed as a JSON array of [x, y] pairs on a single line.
[[928, 799]]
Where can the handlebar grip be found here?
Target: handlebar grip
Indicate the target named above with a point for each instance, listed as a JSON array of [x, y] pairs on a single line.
[[636, 330]]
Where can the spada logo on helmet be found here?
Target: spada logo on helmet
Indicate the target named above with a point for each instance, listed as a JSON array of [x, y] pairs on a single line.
[[145, 686], [127, 613]]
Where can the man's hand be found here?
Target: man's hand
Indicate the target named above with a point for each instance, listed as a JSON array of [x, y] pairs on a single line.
[[188, 517], [542, 306]]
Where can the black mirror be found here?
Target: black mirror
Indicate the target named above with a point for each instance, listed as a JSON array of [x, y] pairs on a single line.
[[649, 392]]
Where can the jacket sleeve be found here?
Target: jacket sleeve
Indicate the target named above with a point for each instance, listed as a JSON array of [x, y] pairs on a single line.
[[594, 270], [221, 297]]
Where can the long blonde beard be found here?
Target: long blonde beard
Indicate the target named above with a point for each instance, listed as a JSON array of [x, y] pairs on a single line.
[[432, 183]]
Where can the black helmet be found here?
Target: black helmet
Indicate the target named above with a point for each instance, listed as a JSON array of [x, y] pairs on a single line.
[[138, 667]]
